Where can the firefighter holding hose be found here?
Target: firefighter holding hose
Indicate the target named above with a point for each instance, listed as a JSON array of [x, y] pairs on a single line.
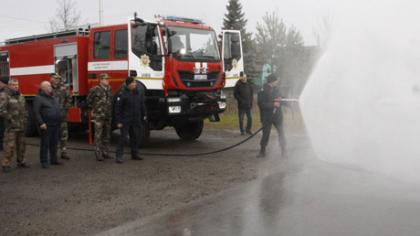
[[269, 102]]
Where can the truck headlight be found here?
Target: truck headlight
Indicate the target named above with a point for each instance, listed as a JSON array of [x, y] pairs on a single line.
[[174, 109], [222, 95], [222, 105]]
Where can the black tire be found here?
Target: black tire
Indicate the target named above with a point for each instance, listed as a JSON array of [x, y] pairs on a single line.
[[31, 129], [190, 130]]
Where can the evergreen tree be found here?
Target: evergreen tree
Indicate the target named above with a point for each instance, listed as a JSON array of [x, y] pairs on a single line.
[[235, 20]]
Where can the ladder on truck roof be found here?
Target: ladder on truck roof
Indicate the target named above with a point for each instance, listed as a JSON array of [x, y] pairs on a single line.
[[73, 32]]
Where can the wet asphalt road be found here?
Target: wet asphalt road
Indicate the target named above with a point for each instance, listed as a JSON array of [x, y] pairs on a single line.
[[84, 197], [297, 195], [231, 193]]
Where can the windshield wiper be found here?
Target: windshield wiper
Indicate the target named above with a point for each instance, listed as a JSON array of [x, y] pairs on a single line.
[[208, 57]]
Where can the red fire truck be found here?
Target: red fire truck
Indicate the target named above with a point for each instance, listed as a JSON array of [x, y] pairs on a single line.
[[177, 60]]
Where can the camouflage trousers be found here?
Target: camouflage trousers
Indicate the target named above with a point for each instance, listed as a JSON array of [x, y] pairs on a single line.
[[64, 136], [102, 137], [14, 141]]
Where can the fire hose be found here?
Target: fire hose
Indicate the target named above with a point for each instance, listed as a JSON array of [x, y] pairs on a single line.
[[173, 154]]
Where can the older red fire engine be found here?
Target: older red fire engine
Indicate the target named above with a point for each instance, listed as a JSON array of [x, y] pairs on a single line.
[[176, 59]]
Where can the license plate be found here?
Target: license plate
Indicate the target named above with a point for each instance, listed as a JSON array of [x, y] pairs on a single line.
[[175, 109], [200, 77]]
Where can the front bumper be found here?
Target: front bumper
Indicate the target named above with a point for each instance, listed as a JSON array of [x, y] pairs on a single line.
[[196, 104]]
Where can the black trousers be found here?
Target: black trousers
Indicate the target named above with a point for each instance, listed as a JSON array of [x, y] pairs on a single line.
[[242, 113], [49, 141], [267, 125], [134, 132]]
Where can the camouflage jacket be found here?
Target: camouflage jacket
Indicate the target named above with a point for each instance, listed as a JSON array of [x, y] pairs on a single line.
[[13, 110], [100, 99], [62, 93]]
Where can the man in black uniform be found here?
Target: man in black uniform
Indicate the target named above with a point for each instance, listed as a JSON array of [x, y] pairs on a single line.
[[269, 101], [244, 94], [3, 84], [130, 112]]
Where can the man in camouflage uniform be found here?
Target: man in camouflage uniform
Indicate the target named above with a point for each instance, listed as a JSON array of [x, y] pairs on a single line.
[[13, 110], [62, 93], [100, 101], [4, 80]]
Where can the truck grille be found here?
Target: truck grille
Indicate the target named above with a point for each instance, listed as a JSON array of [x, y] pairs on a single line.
[[189, 80]]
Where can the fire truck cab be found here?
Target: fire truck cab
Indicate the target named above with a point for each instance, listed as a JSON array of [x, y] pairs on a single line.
[[177, 62]]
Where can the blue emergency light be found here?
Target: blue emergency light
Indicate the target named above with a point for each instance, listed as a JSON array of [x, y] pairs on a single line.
[[184, 19]]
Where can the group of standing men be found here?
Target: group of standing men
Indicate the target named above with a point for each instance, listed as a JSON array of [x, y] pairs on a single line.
[[50, 108], [53, 101], [129, 114]]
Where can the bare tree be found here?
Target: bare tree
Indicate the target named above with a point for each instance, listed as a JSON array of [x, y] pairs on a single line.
[[67, 16], [323, 32]]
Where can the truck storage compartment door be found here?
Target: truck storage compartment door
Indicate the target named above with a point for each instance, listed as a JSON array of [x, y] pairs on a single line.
[[4, 64], [66, 65]]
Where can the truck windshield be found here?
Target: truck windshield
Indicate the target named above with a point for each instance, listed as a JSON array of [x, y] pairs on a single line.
[[195, 44]]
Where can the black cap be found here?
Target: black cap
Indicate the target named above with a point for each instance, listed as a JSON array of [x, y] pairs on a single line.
[[4, 79], [103, 76], [129, 80], [271, 78], [55, 76]]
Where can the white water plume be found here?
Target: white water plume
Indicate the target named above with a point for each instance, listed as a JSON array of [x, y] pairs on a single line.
[[361, 105]]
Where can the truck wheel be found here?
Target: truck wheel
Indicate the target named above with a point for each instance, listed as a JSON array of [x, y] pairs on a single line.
[[31, 129], [190, 130]]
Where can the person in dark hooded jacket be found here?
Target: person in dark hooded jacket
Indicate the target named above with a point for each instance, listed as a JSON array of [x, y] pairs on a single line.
[[130, 112], [269, 102], [49, 115]]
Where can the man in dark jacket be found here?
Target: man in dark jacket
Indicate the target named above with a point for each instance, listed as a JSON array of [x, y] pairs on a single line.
[[49, 115], [269, 101], [130, 112], [244, 94]]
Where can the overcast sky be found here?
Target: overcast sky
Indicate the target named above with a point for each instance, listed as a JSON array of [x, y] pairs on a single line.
[[27, 17]]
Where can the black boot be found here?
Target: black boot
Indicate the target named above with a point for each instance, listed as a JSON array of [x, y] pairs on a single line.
[[23, 165], [7, 169], [56, 163], [136, 158], [106, 156], [65, 156], [262, 153], [99, 156]]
